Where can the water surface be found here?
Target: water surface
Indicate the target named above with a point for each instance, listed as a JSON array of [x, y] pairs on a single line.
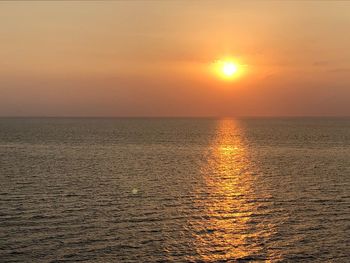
[[175, 190]]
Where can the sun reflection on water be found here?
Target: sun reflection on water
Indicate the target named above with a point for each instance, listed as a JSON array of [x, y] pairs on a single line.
[[227, 230]]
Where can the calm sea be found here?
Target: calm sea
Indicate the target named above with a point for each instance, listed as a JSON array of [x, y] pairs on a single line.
[[175, 190]]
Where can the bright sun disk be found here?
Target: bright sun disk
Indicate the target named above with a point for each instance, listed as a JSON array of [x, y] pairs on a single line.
[[228, 68]]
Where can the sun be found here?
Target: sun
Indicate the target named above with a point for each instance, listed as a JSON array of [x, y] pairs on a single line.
[[228, 68]]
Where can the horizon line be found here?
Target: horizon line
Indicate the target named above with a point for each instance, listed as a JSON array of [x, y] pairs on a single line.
[[169, 117]]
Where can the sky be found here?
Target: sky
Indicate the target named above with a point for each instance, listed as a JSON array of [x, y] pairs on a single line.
[[155, 58]]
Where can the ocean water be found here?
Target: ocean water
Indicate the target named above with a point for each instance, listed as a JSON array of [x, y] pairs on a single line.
[[175, 190]]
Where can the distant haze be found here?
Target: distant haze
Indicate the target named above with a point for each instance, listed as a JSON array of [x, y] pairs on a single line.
[[151, 58]]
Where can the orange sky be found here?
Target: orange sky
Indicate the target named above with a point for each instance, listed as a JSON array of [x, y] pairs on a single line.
[[153, 58]]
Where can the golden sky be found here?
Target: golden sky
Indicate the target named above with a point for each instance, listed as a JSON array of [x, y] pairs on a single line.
[[153, 58]]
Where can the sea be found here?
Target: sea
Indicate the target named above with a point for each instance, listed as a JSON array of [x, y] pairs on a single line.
[[174, 190]]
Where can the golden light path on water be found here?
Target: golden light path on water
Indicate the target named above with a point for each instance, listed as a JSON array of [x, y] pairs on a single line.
[[229, 229]]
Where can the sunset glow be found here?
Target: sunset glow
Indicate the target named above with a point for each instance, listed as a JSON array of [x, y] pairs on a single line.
[[97, 60]]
